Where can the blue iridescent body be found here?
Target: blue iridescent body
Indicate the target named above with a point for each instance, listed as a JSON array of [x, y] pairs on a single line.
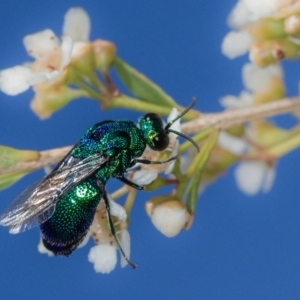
[[63, 204]]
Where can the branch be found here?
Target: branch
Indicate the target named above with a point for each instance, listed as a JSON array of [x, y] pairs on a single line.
[[224, 120], [232, 118]]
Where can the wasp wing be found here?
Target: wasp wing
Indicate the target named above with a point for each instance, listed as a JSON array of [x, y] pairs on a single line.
[[37, 203]]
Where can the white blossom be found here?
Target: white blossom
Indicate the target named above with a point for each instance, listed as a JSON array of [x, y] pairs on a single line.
[[144, 177], [169, 217], [51, 56], [240, 15], [15, 80], [236, 43], [267, 8], [233, 144], [104, 254], [125, 242], [77, 24], [104, 258], [244, 100], [253, 177], [256, 78], [43, 250]]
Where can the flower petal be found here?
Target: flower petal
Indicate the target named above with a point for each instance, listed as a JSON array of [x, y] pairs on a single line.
[[77, 24], [250, 177], [171, 164], [244, 100], [117, 210], [236, 43], [239, 16], [66, 51], [169, 217], [42, 77], [104, 258], [172, 116], [262, 9], [43, 250], [269, 179], [41, 43], [256, 78], [125, 243], [144, 177], [15, 80], [85, 241], [231, 143]]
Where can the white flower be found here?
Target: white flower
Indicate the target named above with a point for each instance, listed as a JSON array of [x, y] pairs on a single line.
[[240, 16], [43, 250], [267, 8], [256, 78], [15, 80], [252, 177], [232, 144], [236, 43], [169, 217], [77, 24], [104, 254], [51, 56], [104, 258], [144, 177], [232, 102]]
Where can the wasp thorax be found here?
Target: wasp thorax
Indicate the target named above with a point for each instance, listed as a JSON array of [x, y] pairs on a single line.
[[153, 130]]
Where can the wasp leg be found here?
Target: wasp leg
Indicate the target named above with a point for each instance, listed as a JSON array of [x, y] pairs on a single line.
[[130, 183], [151, 162], [113, 230]]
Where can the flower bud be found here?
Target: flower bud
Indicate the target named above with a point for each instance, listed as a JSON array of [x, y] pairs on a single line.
[[83, 58], [267, 29], [169, 217], [105, 53], [264, 53], [292, 24]]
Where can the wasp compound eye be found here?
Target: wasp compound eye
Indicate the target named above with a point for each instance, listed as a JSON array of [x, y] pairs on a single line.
[[154, 118], [161, 141]]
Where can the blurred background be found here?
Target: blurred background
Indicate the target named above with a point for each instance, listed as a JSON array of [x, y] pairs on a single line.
[[239, 247]]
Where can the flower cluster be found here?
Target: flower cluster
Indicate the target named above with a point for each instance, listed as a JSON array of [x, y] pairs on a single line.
[[58, 64], [269, 30]]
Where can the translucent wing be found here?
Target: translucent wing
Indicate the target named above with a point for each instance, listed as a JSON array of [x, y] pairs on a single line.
[[37, 203]]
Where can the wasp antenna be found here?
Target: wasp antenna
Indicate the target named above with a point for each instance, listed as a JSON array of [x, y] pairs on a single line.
[[182, 114], [186, 137]]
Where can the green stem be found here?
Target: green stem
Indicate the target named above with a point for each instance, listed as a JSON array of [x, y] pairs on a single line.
[[291, 143], [92, 93], [197, 138], [130, 200], [120, 192], [203, 156]]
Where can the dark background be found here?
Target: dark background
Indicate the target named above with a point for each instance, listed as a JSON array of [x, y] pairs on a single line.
[[239, 247]]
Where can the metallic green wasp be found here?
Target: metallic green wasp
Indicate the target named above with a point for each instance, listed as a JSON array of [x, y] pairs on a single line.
[[63, 204]]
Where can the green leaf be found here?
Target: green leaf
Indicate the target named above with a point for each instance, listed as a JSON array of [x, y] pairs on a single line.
[[195, 171], [141, 86], [6, 180], [10, 156]]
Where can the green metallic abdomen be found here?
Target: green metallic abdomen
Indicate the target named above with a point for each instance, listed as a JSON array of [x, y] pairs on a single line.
[[73, 215]]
